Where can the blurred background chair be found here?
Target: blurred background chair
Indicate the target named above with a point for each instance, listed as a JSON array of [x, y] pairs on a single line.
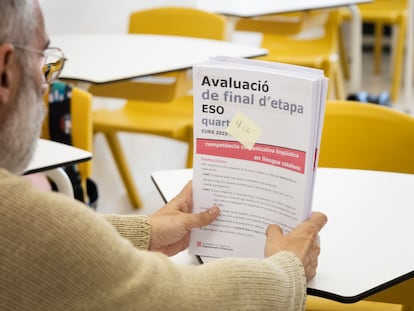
[[171, 118], [367, 136], [81, 130], [307, 39], [178, 21], [370, 137], [321, 304], [392, 13]]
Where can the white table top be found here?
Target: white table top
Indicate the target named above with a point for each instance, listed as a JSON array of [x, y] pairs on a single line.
[[50, 154], [367, 242], [103, 58], [244, 8]]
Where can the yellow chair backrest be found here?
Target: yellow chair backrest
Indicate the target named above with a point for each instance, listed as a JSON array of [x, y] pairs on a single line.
[[323, 20], [367, 136], [176, 21], [281, 24], [81, 113], [180, 21]]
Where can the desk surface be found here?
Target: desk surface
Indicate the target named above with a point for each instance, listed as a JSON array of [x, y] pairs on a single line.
[[367, 242], [244, 8], [50, 154], [104, 58]]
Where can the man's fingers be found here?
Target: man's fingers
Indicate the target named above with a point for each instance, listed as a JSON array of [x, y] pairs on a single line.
[[204, 218]]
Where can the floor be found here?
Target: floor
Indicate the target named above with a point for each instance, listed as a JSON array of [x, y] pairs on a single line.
[[146, 154]]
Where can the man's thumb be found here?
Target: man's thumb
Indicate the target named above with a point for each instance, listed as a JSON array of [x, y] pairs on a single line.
[[204, 218], [273, 230]]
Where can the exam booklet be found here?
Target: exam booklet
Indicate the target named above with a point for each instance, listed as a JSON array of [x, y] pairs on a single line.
[[257, 130]]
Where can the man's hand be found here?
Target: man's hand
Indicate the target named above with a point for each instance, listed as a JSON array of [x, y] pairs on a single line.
[[302, 241], [172, 224]]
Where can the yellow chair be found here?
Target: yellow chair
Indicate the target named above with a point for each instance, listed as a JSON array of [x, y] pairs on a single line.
[[180, 21], [321, 52], [155, 118], [279, 24], [172, 119], [82, 132], [320, 304], [382, 13], [367, 136], [372, 137], [401, 293]]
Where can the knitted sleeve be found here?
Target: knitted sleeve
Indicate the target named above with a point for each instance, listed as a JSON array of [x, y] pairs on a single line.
[[55, 254], [135, 228]]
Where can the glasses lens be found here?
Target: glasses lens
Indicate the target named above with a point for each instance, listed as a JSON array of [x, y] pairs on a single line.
[[54, 61]]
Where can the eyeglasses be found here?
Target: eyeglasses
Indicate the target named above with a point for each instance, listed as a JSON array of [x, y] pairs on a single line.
[[53, 62]]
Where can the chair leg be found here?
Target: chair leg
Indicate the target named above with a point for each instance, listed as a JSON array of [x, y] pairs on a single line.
[[124, 171], [397, 67], [342, 54], [333, 70], [338, 81]]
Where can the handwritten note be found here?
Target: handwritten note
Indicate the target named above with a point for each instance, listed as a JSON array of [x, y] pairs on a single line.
[[245, 130]]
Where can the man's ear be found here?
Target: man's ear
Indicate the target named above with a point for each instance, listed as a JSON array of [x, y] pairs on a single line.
[[6, 71]]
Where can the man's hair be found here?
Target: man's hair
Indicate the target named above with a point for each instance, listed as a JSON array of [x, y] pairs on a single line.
[[17, 21]]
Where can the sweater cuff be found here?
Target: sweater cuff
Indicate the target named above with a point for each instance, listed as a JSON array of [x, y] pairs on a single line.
[[135, 228], [295, 272]]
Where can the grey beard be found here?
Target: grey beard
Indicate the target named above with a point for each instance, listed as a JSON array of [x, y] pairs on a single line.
[[21, 128]]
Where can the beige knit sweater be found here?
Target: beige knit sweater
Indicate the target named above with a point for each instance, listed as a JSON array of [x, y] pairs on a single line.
[[57, 254]]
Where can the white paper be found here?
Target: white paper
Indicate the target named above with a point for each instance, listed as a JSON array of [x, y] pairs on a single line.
[[256, 133]]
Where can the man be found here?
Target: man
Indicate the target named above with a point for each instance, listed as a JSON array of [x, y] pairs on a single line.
[[55, 254]]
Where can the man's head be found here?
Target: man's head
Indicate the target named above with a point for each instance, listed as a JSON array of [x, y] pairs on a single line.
[[22, 38]]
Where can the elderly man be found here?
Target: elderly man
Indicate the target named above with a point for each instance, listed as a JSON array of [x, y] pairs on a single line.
[[55, 254]]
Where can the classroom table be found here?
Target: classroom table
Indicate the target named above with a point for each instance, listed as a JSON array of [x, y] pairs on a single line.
[[106, 58], [50, 157], [366, 246], [244, 8]]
